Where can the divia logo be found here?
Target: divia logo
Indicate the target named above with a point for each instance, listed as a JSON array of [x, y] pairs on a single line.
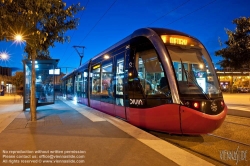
[[136, 102]]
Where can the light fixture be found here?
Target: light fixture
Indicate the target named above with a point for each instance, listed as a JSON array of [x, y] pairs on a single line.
[[106, 56]]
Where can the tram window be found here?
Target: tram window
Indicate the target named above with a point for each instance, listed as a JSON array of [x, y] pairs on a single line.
[[85, 80], [96, 80], [106, 78], [78, 85], [119, 81], [69, 85], [151, 74], [85, 83], [193, 72]]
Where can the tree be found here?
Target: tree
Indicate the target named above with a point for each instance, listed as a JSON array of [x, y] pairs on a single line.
[[18, 80], [41, 55], [236, 55], [41, 23]]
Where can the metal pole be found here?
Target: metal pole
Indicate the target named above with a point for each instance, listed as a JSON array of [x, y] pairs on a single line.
[[80, 54]]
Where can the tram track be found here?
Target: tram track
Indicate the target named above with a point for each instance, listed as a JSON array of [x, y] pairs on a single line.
[[210, 134], [237, 124], [206, 150], [178, 141], [231, 138]]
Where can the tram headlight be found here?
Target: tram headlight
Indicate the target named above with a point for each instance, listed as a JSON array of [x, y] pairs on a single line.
[[193, 104], [196, 105]]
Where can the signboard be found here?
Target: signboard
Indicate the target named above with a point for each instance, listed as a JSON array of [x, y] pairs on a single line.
[[54, 72]]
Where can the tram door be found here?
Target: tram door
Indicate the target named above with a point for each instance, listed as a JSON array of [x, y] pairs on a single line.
[[119, 86]]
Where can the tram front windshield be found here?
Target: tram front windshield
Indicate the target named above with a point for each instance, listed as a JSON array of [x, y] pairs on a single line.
[[194, 70]]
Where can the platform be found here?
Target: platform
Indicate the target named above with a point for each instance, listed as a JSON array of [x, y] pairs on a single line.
[[73, 133]]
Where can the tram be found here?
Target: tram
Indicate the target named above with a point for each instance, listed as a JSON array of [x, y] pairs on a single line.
[[157, 79]]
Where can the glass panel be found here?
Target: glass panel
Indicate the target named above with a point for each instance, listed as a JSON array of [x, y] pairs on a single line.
[[28, 84], [107, 90], [151, 74], [78, 85], [44, 83], [69, 86], [85, 81], [119, 81], [96, 80], [194, 70]]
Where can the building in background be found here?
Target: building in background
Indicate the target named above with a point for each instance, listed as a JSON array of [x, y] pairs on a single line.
[[234, 81], [5, 80]]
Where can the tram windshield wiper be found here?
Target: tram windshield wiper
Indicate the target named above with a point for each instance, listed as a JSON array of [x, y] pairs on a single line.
[[190, 76]]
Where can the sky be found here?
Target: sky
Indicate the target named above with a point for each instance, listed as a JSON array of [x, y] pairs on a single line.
[[103, 23]]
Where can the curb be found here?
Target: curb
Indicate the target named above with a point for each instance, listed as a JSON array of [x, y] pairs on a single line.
[[238, 113]]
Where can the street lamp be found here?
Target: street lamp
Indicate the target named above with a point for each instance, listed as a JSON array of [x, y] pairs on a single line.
[[19, 38], [4, 56]]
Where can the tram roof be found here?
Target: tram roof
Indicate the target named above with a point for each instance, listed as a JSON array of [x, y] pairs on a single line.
[[139, 32]]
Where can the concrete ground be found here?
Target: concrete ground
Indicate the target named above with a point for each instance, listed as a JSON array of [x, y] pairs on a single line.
[[238, 103], [70, 134]]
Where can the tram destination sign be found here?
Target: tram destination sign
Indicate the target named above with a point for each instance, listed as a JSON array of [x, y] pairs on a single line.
[[178, 40]]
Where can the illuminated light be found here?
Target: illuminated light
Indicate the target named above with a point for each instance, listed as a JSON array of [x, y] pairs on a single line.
[[97, 66], [192, 45], [18, 38], [201, 66], [4, 56], [130, 74], [180, 41], [164, 38], [196, 105], [106, 56], [75, 100], [36, 66], [85, 74]]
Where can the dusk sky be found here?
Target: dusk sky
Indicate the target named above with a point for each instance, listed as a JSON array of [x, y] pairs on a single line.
[[103, 23]]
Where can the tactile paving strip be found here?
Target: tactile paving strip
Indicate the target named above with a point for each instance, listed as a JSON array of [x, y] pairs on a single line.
[[21, 123], [18, 123], [52, 121]]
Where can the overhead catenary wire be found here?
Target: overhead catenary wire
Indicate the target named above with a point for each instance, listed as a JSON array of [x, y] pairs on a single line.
[[148, 24], [98, 21], [94, 26], [74, 33], [169, 12], [192, 12]]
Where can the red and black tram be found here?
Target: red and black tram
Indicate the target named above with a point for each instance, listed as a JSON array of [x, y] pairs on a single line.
[[157, 79]]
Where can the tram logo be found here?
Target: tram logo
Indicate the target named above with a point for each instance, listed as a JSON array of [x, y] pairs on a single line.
[[214, 106], [136, 102]]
